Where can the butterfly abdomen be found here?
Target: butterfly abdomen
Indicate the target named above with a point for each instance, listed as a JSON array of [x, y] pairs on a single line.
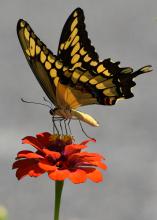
[[84, 117]]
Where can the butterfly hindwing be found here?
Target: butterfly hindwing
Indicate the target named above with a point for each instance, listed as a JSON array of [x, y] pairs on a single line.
[[100, 88]]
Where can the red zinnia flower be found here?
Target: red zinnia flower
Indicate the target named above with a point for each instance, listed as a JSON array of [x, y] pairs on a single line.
[[60, 158]]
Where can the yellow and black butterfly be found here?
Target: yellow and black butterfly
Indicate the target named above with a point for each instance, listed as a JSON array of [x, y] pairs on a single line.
[[75, 77]]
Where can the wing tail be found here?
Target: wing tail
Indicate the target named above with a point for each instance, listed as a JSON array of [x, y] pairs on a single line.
[[142, 70], [125, 80]]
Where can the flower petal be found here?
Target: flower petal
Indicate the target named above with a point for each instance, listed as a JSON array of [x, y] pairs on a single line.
[[46, 166], [59, 175], [27, 167], [73, 148], [77, 176], [55, 155], [35, 171], [87, 141], [28, 154], [99, 164], [94, 175], [43, 138], [22, 163], [85, 157], [95, 156], [32, 141], [81, 157]]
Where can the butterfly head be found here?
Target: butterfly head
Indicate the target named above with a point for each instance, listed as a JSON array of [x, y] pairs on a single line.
[[52, 111], [64, 113]]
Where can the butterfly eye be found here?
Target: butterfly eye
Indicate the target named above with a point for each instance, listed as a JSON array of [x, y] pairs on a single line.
[[52, 111]]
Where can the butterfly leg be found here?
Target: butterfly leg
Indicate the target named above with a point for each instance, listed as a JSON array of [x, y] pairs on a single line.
[[53, 125], [84, 130], [65, 126], [60, 123], [69, 125], [59, 120], [55, 129]]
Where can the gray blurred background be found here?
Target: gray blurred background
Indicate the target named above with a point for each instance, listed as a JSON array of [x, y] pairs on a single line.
[[124, 30]]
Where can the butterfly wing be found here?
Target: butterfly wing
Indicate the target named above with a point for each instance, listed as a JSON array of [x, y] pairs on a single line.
[[72, 98], [88, 80], [104, 80], [41, 60], [97, 88], [75, 48], [76, 51]]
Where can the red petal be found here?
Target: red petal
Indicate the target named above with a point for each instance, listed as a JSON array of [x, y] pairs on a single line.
[[20, 173], [43, 138], [75, 159], [73, 148], [43, 135], [82, 157], [94, 175], [59, 175], [93, 156], [46, 166], [78, 176], [32, 141], [99, 164], [35, 172], [87, 141], [28, 154], [85, 157], [22, 163], [53, 154], [27, 167]]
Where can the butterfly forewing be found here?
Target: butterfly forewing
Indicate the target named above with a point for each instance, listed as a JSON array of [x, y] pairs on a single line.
[[76, 51], [41, 60], [75, 47]]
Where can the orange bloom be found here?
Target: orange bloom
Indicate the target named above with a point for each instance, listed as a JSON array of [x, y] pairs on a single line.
[[60, 158]]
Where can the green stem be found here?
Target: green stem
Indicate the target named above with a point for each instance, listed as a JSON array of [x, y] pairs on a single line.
[[58, 193]]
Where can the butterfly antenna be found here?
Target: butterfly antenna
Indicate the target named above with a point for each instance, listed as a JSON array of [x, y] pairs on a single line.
[[46, 100], [37, 103], [84, 131]]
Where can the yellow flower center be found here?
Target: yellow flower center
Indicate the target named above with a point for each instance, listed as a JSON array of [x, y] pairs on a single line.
[[64, 139]]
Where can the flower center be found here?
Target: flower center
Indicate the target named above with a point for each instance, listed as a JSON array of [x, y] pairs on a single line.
[[58, 142]]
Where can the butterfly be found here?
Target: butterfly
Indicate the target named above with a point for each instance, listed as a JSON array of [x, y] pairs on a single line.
[[75, 76]]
